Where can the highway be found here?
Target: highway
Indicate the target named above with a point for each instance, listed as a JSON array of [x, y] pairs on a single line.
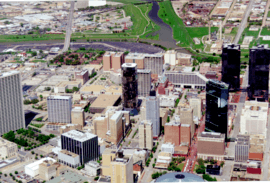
[[244, 22], [69, 26]]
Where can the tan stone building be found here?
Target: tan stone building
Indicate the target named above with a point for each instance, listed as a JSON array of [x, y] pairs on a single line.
[[7, 149], [186, 117], [77, 116], [111, 125], [196, 104], [112, 61], [163, 112], [118, 166], [211, 146], [68, 127], [48, 169], [146, 134]]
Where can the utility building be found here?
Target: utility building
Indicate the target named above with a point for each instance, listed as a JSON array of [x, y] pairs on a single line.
[[217, 107], [231, 65], [258, 72]]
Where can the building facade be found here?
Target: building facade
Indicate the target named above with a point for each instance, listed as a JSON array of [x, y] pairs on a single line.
[[11, 102], [211, 146], [129, 85], [112, 61], [154, 62], [217, 107], [242, 148], [196, 104], [170, 57], [231, 65], [59, 109], [7, 149], [77, 116], [81, 143], [152, 114], [146, 135], [144, 82], [186, 79], [186, 117], [258, 72], [254, 118]]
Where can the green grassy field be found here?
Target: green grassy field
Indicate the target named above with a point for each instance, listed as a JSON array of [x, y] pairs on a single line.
[[39, 61], [246, 32], [180, 32], [265, 31], [128, 1], [181, 166], [268, 14]]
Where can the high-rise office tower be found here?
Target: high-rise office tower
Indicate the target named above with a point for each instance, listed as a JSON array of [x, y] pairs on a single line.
[[186, 117], [129, 85], [152, 114], [196, 104], [11, 102], [144, 82], [242, 148], [231, 65], [146, 134], [217, 107], [84, 144], [59, 109], [258, 72]]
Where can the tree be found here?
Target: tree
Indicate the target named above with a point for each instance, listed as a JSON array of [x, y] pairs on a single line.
[[10, 174], [168, 119], [21, 24], [153, 165], [41, 97], [193, 69], [16, 172], [96, 178], [34, 53], [5, 174]]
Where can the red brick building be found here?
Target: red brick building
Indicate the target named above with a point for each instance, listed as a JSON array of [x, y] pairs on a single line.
[[112, 61], [162, 85]]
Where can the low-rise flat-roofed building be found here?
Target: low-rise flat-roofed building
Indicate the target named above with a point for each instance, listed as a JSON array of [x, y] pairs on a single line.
[[100, 89], [104, 101], [254, 118], [163, 160], [211, 145], [68, 127], [183, 59], [93, 168], [186, 79], [33, 168], [257, 148], [69, 158], [7, 149], [48, 169], [64, 85]]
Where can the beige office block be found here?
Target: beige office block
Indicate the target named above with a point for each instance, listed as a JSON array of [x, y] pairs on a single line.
[[146, 134], [77, 116]]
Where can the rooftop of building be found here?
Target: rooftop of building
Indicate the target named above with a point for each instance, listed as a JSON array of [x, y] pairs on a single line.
[[173, 123], [77, 109], [4, 74], [81, 72], [129, 65], [57, 97], [79, 135], [219, 83], [212, 135], [65, 83], [179, 177], [163, 79], [4, 142], [93, 164], [73, 155], [104, 100], [146, 71], [146, 122], [232, 46], [101, 88], [135, 56], [35, 165], [262, 46]]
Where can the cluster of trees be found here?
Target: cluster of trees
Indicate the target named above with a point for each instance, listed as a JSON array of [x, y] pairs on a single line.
[[21, 141], [210, 59], [209, 178], [92, 75], [157, 174], [201, 169], [155, 148], [33, 101], [174, 164], [74, 89], [80, 167]]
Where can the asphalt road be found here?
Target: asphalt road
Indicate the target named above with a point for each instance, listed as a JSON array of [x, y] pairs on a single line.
[[69, 26], [244, 22]]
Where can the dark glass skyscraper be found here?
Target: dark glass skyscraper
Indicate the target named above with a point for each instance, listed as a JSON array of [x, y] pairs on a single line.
[[259, 57], [129, 85], [217, 107], [231, 65]]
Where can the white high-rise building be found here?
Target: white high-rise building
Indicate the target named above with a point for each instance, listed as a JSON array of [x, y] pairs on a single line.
[[170, 57], [11, 102], [59, 109], [152, 113]]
